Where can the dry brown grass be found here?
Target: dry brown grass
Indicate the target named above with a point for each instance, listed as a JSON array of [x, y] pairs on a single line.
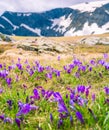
[[91, 49], [8, 52], [4, 47], [63, 39]]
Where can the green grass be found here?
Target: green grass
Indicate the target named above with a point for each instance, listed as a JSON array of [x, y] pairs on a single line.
[[39, 119]]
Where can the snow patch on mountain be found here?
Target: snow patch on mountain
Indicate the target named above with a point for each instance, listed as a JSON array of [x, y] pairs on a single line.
[[89, 6], [26, 14], [2, 26], [19, 14], [70, 32], [14, 26], [36, 30], [87, 30], [62, 23], [107, 11]]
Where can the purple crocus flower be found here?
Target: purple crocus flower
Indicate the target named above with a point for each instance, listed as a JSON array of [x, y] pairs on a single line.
[[79, 117], [1, 90], [65, 68], [48, 94], [92, 62], [71, 120], [60, 122], [20, 104], [71, 66], [77, 74], [93, 97], [62, 108], [9, 68], [57, 96], [77, 62], [106, 90], [31, 72], [9, 120], [3, 73], [66, 96], [25, 109], [39, 87], [49, 75], [9, 102], [33, 107], [69, 71], [90, 69], [8, 80], [107, 101], [19, 66], [81, 89], [26, 61], [58, 58], [105, 55], [40, 68], [63, 115], [106, 66], [82, 101], [36, 94], [43, 92], [101, 62], [72, 95], [83, 68], [87, 91], [0, 66], [17, 78], [18, 122], [2, 117], [57, 73], [51, 117]]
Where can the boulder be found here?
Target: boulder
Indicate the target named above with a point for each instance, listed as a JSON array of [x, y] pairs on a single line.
[[5, 38], [46, 45], [95, 41]]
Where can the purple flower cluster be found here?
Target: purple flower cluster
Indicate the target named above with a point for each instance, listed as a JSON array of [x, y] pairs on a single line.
[[6, 119], [25, 108]]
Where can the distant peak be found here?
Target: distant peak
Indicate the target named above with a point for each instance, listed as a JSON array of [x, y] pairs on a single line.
[[89, 6]]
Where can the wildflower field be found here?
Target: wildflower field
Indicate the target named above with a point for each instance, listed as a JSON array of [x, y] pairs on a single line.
[[69, 95]]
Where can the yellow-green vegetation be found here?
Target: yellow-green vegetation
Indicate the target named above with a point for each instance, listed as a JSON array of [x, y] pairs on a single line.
[[63, 93]]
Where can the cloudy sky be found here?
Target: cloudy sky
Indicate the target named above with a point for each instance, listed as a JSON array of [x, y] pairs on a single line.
[[36, 5]]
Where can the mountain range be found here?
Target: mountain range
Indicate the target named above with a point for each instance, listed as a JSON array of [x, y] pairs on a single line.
[[82, 19]]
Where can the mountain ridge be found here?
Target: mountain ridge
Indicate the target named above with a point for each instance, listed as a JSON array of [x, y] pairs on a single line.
[[56, 22]]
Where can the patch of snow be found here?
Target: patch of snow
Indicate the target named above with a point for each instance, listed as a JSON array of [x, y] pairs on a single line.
[[26, 14], [19, 14], [14, 26], [70, 32], [62, 23], [107, 11], [36, 30], [89, 6], [48, 27], [87, 30], [2, 26]]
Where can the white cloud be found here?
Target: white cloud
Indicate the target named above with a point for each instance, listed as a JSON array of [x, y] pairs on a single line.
[[35, 5]]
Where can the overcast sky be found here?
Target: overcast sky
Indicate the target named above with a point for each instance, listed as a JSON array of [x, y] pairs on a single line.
[[36, 5]]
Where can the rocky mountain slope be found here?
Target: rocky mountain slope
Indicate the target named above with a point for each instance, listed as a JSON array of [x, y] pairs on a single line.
[[82, 19]]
